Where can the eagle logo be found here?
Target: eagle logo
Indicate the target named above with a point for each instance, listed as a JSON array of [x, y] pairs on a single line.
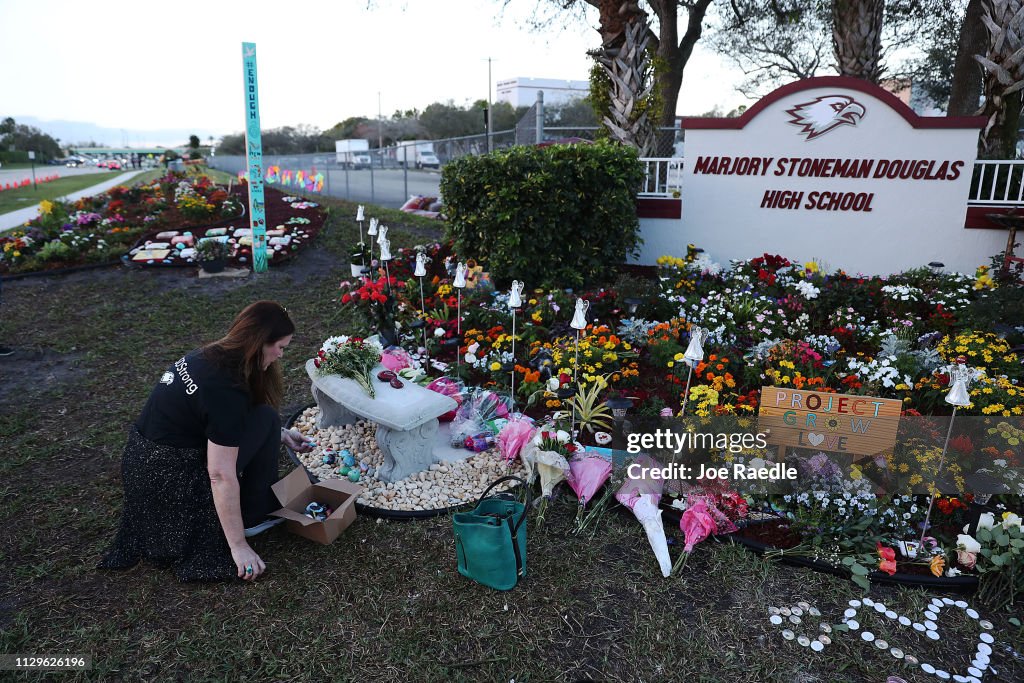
[[826, 113]]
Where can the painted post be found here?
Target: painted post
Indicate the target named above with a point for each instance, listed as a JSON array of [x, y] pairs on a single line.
[[254, 156]]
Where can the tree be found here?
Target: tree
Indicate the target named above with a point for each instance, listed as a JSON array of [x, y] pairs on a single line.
[[193, 141], [623, 55], [965, 88], [672, 50], [346, 130], [773, 42], [1004, 77], [27, 138], [857, 38]]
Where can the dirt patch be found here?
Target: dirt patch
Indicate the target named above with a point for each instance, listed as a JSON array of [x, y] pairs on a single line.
[[32, 372]]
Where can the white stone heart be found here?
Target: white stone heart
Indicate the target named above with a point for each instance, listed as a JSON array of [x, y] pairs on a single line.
[[814, 438], [977, 667]]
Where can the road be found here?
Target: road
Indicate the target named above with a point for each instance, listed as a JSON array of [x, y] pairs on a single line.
[[16, 175], [388, 187]]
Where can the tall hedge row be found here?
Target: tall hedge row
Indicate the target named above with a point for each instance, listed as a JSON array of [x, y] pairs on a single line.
[[562, 215]]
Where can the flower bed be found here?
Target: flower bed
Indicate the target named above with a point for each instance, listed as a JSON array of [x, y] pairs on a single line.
[[126, 220], [293, 222], [771, 321]]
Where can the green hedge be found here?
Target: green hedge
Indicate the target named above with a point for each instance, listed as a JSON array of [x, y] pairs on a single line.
[[563, 215], [17, 157]]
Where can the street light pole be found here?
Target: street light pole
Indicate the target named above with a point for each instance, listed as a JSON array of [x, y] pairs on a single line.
[[490, 114]]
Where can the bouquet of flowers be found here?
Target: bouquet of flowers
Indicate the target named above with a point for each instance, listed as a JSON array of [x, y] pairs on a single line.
[[350, 357]]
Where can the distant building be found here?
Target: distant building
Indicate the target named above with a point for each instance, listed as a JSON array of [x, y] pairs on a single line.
[[522, 92]]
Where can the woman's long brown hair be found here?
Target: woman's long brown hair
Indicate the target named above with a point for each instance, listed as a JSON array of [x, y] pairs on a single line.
[[241, 350]]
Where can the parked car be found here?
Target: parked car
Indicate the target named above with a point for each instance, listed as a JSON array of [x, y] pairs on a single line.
[[113, 165], [74, 163]]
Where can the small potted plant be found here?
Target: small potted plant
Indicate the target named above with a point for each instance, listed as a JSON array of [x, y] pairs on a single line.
[[211, 254], [359, 257]]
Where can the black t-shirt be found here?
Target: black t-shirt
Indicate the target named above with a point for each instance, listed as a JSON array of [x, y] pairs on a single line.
[[195, 400]]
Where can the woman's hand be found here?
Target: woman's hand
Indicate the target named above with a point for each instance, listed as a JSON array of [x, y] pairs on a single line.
[[295, 440], [248, 562]]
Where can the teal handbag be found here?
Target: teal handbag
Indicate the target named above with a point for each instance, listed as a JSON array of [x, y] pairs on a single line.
[[490, 541]]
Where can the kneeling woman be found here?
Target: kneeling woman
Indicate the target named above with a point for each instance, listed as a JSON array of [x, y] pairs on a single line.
[[201, 458]]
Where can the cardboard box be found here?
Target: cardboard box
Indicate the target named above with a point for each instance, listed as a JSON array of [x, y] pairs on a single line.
[[295, 492]]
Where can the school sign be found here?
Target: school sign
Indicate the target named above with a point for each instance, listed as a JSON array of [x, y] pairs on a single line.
[[834, 169]]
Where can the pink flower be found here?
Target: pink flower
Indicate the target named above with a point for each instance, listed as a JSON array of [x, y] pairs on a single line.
[[966, 559], [395, 360], [697, 524]]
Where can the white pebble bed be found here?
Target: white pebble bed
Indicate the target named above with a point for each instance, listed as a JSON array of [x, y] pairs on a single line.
[[444, 485]]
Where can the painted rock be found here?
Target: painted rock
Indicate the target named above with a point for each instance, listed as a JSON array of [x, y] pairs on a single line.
[[353, 475]]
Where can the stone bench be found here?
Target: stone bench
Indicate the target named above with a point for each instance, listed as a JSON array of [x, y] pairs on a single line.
[[406, 418]]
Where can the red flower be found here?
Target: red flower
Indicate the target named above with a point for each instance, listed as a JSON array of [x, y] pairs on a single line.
[[346, 298], [888, 561], [564, 378]]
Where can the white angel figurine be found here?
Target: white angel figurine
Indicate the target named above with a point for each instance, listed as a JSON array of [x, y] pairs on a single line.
[[579, 318], [421, 265], [460, 276], [360, 214], [959, 377], [515, 295], [372, 230], [695, 351], [385, 250], [382, 234]]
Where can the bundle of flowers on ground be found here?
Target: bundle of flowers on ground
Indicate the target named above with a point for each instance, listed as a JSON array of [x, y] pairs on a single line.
[[563, 357]]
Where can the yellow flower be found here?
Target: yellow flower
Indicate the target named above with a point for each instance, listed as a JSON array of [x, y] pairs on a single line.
[[46, 207], [678, 357], [495, 366], [670, 364]]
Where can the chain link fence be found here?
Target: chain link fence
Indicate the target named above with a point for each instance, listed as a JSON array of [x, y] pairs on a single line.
[[390, 182]]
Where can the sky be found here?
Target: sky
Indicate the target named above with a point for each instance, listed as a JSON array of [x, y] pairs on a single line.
[[139, 67]]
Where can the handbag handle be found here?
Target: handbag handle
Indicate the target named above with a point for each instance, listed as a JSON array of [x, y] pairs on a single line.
[[526, 507]]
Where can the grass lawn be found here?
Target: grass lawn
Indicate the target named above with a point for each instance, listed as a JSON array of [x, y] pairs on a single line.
[[22, 197], [384, 602]]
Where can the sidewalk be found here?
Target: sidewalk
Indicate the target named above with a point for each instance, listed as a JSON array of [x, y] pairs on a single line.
[[17, 218]]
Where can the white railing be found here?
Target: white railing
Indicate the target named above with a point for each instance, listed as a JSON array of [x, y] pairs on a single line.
[[994, 183], [663, 177]]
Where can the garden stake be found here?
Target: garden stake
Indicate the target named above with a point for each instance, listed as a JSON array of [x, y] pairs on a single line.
[[579, 323], [372, 231], [459, 283], [515, 300], [694, 354], [360, 217], [421, 270], [960, 375]]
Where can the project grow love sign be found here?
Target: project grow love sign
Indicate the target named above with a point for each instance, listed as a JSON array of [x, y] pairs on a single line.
[[833, 169], [838, 423]]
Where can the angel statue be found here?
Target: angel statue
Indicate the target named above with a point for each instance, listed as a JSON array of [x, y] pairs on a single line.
[[515, 295], [579, 318], [460, 276], [695, 351]]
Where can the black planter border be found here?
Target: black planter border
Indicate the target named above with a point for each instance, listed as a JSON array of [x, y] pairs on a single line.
[[956, 584]]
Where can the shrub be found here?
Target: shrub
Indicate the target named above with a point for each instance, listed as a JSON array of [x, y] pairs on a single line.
[[564, 213]]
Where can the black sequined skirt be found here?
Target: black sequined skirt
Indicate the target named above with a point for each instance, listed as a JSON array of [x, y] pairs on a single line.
[[169, 518]]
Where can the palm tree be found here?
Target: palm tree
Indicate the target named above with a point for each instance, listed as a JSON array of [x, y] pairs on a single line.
[[623, 55], [857, 37], [1004, 77]]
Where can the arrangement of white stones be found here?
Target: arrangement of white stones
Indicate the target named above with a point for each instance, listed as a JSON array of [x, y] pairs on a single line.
[[444, 485], [980, 663]]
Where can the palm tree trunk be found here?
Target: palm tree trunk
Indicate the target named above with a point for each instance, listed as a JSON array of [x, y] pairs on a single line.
[[624, 58], [1004, 77], [857, 37], [965, 91]]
